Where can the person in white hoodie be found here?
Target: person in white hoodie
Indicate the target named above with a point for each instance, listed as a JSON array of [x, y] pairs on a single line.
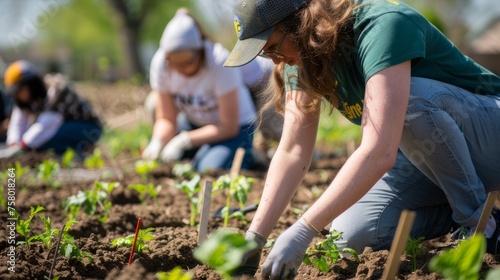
[[199, 103], [48, 114]]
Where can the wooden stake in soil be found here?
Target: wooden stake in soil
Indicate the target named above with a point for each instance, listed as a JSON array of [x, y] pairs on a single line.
[[398, 244], [485, 215], [238, 159], [137, 228], [205, 212]]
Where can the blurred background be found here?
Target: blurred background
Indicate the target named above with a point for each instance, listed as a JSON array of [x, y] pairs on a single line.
[[112, 40], [106, 46]]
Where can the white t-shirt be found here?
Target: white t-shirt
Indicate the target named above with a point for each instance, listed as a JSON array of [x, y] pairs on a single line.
[[196, 95]]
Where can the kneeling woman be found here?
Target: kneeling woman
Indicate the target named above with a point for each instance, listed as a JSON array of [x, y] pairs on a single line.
[[48, 113], [203, 109]]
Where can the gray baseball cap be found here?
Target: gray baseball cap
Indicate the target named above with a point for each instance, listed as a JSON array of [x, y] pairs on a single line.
[[254, 22]]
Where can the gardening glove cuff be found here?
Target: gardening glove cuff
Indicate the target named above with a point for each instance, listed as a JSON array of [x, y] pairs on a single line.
[[286, 256], [153, 149], [257, 237], [251, 259], [10, 151], [176, 146]]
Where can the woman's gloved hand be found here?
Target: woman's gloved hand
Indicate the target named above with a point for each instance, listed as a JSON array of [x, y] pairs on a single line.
[[251, 259], [287, 253], [153, 149], [176, 146]]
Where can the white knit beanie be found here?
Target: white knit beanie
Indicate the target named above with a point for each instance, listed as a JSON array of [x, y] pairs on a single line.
[[181, 34]]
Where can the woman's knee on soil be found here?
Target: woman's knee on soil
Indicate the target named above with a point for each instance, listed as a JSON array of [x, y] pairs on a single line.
[[357, 230]]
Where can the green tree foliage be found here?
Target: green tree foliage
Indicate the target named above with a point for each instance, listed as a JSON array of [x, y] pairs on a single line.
[[92, 33]]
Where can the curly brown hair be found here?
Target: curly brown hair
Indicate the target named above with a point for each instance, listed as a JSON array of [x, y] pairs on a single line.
[[320, 31]]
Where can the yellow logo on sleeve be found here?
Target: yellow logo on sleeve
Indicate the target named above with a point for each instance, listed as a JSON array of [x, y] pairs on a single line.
[[393, 2]]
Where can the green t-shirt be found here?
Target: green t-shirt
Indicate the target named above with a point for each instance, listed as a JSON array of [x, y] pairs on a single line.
[[386, 33]]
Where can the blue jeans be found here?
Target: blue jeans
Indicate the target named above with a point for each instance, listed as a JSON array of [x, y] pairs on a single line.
[[449, 159], [219, 155], [77, 135]]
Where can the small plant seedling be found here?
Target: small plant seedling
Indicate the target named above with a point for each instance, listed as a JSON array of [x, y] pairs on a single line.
[[68, 158], [238, 188], [414, 250], [326, 253], [23, 226], [183, 170], [146, 190], [94, 161], [143, 237], [20, 170], [174, 274], [462, 262], [223, 251], [69, 248], [90, 200], [49, 234], [144, 167], [191, 188], [46, 171]]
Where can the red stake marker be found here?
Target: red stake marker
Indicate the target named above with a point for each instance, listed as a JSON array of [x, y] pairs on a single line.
[[135, 240]]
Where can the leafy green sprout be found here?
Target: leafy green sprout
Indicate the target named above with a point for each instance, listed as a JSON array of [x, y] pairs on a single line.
[[191, 188], [183, 170], [46, 171], [414, 250], [223, 251], [326, 253], [68, 158], [144, 167], [146, 190], [69, 248], [237, 188], [143, 236], [174, 274], [90, 200], [463, 262], [23, 226], [95, 160]]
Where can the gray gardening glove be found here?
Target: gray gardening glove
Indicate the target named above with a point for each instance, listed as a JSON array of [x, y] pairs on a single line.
[[288, 252], [251, 259], [10, 151], [175, 147]]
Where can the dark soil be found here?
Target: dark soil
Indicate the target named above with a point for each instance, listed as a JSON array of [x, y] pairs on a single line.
[[174, 239]]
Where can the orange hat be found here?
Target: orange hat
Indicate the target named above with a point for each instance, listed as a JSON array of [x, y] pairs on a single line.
[[18, 73]]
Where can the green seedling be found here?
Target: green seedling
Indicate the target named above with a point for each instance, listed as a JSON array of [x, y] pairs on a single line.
[[49, 234], [414, 250], [144, 167], [69, 248], [326, 253], [183, 170], [94, 161], [68, 158], [90, 200], [223, 251], [23, 226], [191, 188], [174, 274], [19, 169], [46, 171], [143, 237], [463, 262], [237, 188], [146, 190]]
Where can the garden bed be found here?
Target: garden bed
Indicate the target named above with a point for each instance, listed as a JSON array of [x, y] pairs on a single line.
[[174, 240]]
